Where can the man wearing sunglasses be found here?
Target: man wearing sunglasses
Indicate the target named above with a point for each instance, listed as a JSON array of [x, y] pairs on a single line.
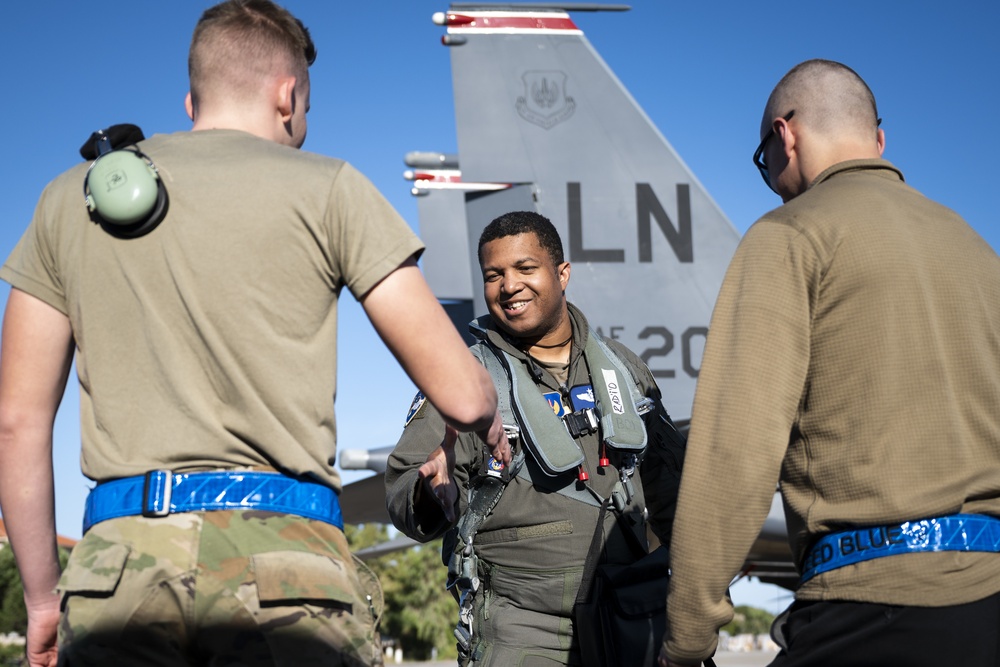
[[854, 359]]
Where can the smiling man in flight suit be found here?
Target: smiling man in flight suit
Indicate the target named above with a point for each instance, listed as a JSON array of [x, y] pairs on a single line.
[[532, 547]]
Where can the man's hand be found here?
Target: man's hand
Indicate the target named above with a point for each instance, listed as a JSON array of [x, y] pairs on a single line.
[[438, 476], [664, 661], [43, 624], [496, 440]]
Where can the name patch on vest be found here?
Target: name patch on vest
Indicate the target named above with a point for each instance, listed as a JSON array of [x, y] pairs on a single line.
[[614, 391]]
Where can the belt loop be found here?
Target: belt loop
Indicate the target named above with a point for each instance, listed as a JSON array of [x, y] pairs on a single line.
[[156, 492]]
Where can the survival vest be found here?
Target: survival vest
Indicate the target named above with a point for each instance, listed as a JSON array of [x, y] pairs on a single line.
[[619, 406]]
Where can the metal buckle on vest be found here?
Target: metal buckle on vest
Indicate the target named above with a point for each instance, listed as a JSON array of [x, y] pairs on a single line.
[[581, 423], [629, 463], [156, 492], [644, 405]]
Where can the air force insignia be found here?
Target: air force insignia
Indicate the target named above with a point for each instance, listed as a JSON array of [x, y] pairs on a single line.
[[555, 402], [415, 407], [494, 468], [544, 102], [582, 396]]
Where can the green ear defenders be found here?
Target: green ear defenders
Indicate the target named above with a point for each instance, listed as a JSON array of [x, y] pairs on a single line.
[[122, 189]]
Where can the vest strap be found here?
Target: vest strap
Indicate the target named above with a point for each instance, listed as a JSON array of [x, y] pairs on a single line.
[[621, 425], [618, 398]]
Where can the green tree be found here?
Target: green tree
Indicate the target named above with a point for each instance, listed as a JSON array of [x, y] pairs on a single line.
[[13, 615], [13, 656], [419, 609], [749, 620], [419, 612], [366, 535]]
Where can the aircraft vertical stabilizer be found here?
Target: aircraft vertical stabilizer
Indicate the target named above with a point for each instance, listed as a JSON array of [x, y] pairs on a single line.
[[544, 124]]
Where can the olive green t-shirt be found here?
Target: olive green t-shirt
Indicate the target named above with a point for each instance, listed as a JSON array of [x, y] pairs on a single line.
[[211, 342]]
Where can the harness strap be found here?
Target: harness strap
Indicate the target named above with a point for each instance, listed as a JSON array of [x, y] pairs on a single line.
[[541, 430], [463, 567], [593, 556], [621, 422], [618, 398], [555, 451], [501, 378]]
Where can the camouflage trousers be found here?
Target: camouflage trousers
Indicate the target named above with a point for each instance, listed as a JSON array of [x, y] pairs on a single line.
[[218, 588]]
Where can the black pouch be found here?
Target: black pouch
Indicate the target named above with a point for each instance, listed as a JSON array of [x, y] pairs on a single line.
[[620, 614], [623, 620]]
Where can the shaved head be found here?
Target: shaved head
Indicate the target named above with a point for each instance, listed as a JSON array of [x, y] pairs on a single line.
[[239, 44], [827, 97]]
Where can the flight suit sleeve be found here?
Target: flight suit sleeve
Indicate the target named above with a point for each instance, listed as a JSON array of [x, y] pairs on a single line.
[[660, 470], [413, 511]]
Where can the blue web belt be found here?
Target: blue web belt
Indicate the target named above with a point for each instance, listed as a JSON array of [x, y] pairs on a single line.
[[162, 492], [958, 532]]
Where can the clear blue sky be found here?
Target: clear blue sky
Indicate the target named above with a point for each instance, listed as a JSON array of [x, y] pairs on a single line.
[[381, 86]]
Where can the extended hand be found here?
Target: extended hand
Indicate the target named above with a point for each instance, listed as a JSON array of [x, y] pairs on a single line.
[[437, 474]]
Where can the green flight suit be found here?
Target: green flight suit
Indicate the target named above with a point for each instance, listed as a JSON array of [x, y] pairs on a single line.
[[533, 546]]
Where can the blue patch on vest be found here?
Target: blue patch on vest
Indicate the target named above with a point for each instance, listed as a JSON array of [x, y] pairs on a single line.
[[418, 402], [494, 468], [582, 396]]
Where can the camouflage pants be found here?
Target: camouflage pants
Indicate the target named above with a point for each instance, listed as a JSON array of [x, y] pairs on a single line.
[[217, 588]]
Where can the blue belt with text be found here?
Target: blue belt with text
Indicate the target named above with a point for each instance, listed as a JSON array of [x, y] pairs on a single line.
[[958, 532], [162, 492]]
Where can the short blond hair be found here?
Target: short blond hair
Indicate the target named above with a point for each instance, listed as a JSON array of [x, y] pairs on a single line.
[[238, 43]]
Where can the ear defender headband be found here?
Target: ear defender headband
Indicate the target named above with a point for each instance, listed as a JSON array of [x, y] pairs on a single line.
[[122, 189]]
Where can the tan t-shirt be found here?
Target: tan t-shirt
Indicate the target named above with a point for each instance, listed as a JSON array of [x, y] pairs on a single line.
[[211, 342]]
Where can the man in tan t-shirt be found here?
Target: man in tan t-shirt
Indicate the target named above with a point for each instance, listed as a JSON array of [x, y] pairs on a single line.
[[854, 358], [205, 344]]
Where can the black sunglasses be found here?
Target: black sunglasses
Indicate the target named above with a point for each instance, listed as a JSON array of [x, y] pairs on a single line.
[[758, 155]]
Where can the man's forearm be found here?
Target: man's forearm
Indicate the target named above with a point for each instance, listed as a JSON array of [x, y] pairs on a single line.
[[420, 335], [28, 504], [37, 351]]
